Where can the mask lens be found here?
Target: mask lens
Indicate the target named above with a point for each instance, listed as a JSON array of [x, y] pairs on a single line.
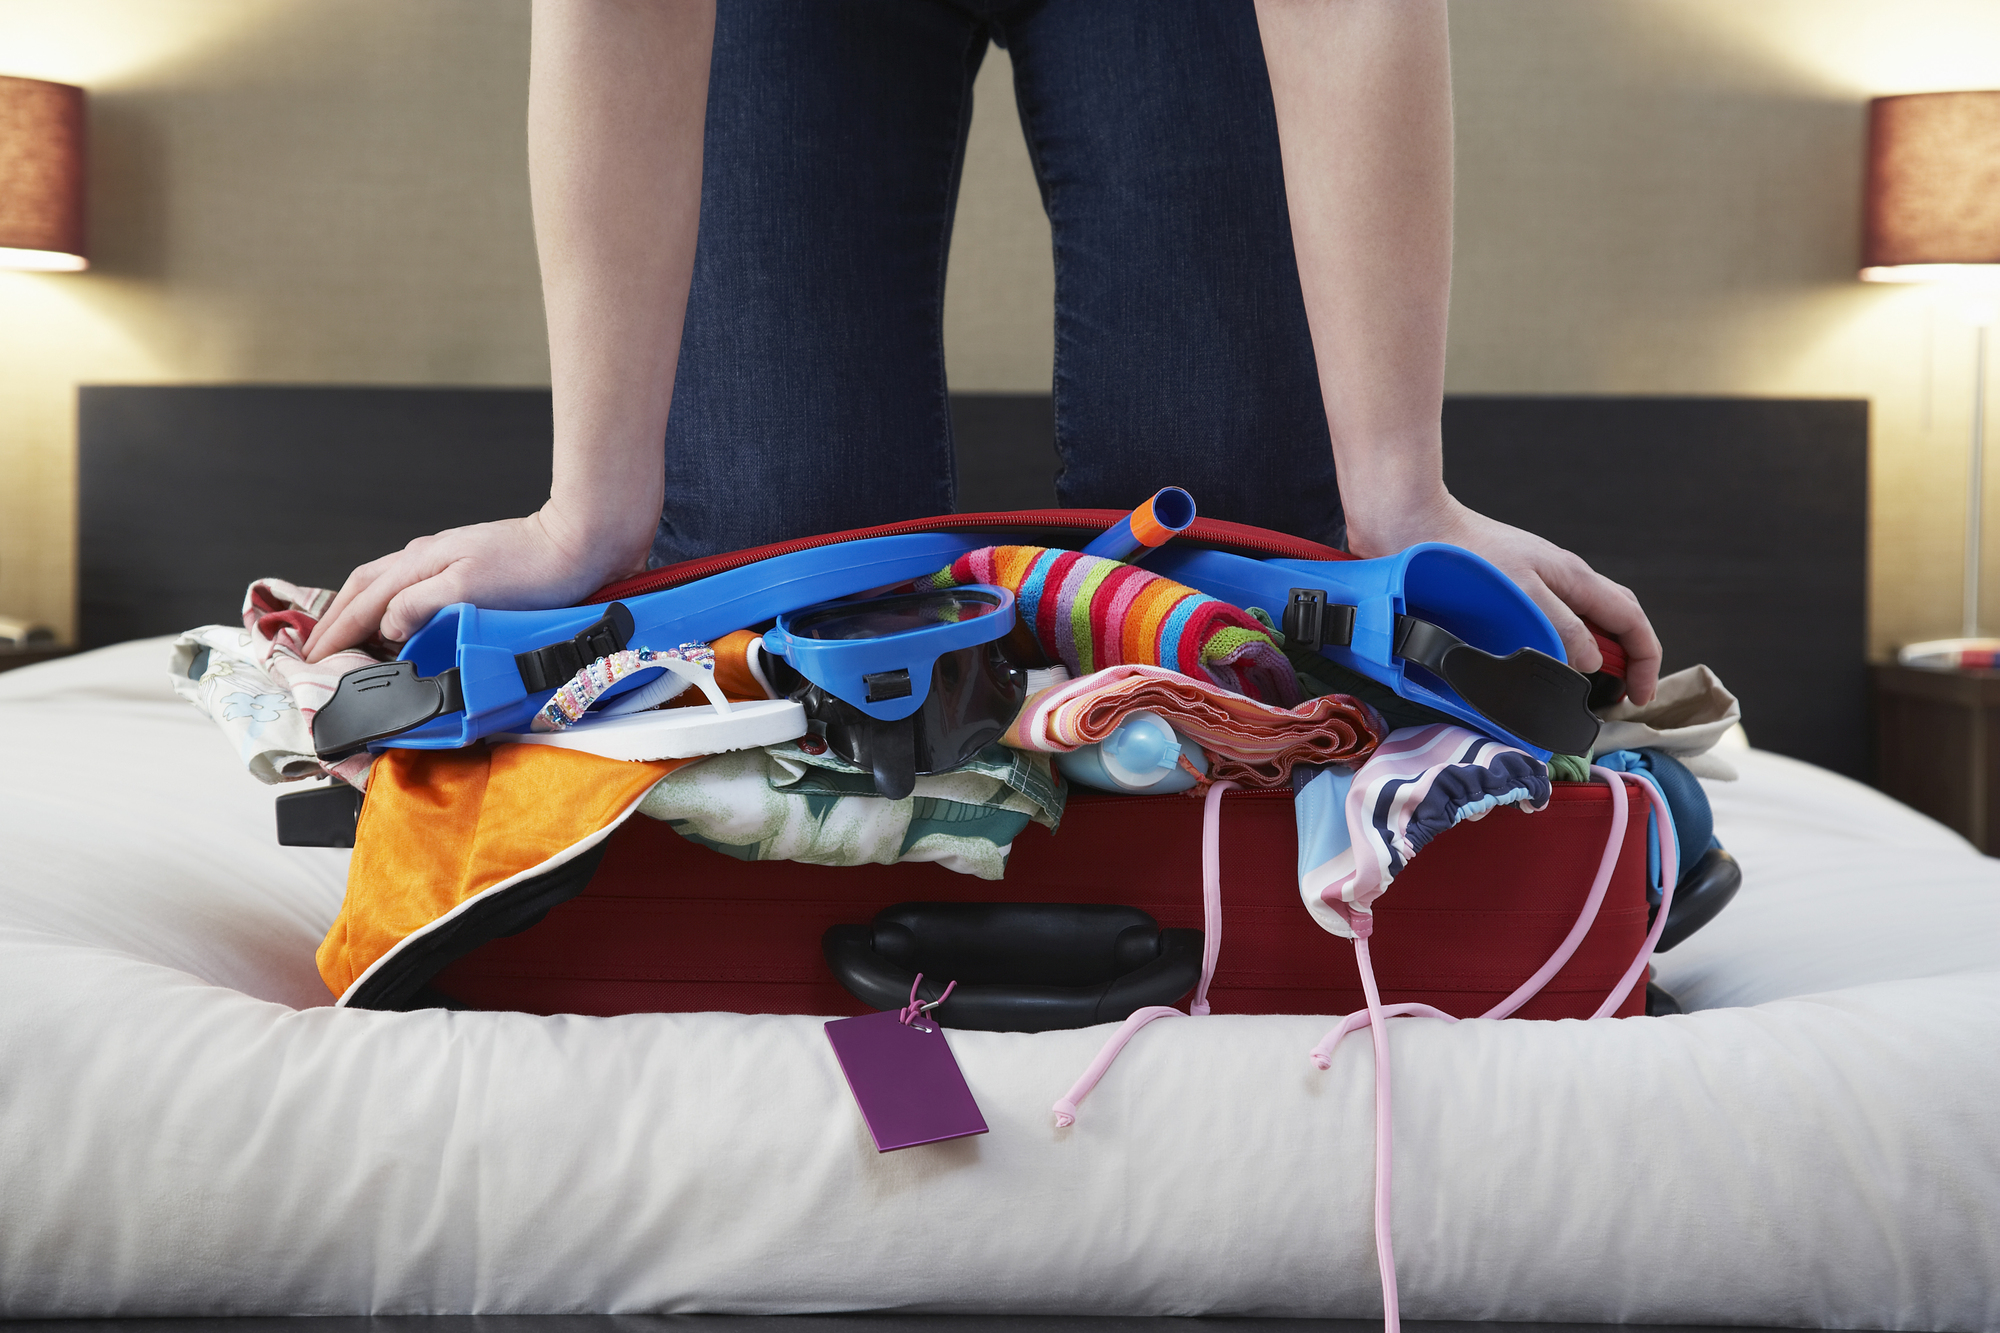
[[886, 616]]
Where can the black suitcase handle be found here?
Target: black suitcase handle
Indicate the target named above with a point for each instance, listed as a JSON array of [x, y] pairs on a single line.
[[1020, 967]]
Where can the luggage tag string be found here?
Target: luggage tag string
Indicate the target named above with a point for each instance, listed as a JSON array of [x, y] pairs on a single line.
[[914, 1009]]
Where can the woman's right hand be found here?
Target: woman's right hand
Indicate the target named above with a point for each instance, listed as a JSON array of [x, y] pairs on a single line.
[[527, 563]]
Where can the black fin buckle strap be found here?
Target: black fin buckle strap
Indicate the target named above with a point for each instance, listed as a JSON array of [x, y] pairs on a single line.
[[1542, 700], [1310, 621], [549, 666]]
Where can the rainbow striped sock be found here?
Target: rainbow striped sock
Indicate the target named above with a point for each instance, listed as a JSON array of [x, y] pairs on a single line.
[[1090, 613]]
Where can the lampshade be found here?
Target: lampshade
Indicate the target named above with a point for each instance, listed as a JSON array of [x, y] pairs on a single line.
[[1933, 202], [41, 175]]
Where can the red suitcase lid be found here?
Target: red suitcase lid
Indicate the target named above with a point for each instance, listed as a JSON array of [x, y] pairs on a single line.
[[1240, 538]]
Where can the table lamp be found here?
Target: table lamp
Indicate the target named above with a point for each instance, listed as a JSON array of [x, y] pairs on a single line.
[[1932, 215], [41, 222], [41, 175]]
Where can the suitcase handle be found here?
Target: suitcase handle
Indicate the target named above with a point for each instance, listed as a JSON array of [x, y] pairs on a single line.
[[1020, 967]]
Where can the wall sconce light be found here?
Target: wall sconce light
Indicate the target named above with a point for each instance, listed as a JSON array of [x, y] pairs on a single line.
[[1932, 215], [41, 175]]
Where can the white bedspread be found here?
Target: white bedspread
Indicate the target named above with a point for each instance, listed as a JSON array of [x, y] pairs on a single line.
[[186, 1127]]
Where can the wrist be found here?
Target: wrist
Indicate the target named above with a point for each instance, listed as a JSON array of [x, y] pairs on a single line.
[[1392, 487], [610, 540], [1384, 516]]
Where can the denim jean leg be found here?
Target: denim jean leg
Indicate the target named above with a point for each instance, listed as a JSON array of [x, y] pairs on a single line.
[[810, 393], [1182, 351]]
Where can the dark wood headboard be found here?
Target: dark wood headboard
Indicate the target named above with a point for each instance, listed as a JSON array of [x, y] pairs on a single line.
[[1740, 522]]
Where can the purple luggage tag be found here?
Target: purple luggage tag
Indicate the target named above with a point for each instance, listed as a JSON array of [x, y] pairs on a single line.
[[904, 1077]]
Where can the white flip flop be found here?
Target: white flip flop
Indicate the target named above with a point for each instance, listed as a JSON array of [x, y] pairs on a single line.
[[677, 733]]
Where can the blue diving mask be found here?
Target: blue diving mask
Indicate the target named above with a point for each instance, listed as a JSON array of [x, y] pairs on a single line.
[[902, 685]]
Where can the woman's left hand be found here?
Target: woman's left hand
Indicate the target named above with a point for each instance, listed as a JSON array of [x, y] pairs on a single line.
[[1567, 589]]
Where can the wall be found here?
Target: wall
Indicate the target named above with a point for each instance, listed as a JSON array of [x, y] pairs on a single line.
[[1662, 196], [1655, 196], [282, 191]]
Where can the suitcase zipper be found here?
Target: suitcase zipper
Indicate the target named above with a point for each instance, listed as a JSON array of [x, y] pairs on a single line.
[[1237, 537]]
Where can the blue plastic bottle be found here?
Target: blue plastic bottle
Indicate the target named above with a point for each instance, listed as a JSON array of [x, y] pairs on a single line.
[[1143, 755]]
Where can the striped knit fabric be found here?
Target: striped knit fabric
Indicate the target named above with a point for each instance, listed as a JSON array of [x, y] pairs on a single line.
[[1249, 743], [1089, 613]]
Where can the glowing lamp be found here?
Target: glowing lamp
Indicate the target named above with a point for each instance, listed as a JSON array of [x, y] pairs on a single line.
[[1932, 214], [41, 175], [1933, 210]]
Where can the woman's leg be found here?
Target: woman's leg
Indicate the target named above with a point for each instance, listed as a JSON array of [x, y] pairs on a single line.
[[1182, 351], [811, 394]]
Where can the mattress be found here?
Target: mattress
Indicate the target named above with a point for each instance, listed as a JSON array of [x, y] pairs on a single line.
[[187, 1126]]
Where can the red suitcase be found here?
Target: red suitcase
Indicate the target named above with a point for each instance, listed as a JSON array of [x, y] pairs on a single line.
[[668, 925], [665, 924]]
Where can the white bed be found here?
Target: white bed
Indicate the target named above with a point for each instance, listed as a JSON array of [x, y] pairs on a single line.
[[186, 1127]]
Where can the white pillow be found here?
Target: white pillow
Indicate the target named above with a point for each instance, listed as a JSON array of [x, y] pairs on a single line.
[[186, 1128]]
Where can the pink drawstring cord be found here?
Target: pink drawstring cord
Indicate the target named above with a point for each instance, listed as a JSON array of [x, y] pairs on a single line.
[[1211, 946], [912, 1009], [1670, 872], [1377, 1015], [1614, 843], [1065, 1107], [1385, 1130], [1211, 892], [1587, 917], [1322, 1054]]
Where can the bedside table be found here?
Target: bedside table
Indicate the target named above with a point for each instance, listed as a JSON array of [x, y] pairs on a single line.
[[30, 656], [1937, 746]]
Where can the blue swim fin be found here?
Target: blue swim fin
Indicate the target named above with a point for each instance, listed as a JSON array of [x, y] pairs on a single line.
[[1435, 623], [472, 672]]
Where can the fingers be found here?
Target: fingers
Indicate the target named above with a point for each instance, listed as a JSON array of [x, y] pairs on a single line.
[[1616, 610], [411, 608], [1578, 644], [1642, 653], [357, 612], [1568, 591], [356, 621], [319, 644]]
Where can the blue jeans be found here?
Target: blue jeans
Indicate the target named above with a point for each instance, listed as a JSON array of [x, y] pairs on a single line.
[[811, 395]]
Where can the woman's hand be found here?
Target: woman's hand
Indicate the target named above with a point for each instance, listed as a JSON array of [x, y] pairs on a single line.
[[514, 564], [1567, 589]]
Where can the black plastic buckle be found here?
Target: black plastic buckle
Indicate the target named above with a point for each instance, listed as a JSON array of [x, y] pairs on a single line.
[[551, 665], [319, 816], [373, 703], [886, 685], [1536, 697], [1425, 644], [1311, 623]]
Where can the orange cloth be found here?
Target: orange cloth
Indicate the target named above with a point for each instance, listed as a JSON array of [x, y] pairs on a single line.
[[732, 672], [441, 826]]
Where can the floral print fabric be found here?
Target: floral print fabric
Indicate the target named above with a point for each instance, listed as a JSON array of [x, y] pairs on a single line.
[[255, 683]]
